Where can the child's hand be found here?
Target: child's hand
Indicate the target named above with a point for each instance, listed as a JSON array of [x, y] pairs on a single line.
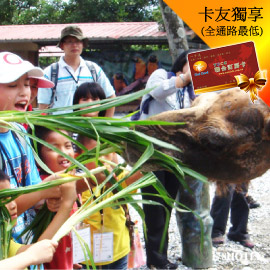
[[188, 76], [53, 177], [77, 266], [69, 193], [53, 192], [42, 251], [53, 204]]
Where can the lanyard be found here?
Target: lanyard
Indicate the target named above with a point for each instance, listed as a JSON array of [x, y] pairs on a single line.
[[4, 152], [76, 81], [100, 212], [180, 97]]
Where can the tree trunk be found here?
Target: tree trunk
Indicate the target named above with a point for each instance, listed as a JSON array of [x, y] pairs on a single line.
[[175, 31]]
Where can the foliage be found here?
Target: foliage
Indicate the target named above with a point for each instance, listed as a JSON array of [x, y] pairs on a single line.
[[112, 135], [111, 10], [60, 11], [32, 11], [5, 232], [6, 12], [46, 61], [148, 47], [157, 16]]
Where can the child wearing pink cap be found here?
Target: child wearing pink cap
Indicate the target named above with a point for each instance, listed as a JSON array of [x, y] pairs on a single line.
[[18, 161], [35, 83], [38, 82]]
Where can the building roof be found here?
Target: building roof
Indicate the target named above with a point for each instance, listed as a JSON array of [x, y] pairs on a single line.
[[49, 34]]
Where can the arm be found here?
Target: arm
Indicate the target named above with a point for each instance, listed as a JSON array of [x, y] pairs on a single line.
[[44, 94], [110, 112], [35, 254], [69, 196], [181, 83], [27, 201], [81, 186], [43, 106], [165, 87], [104, 82], [133, 178], [114, 158]]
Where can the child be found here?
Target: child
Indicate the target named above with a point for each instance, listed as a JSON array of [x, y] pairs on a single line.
[[35, 83], [52, 159], [89, 92], [111, 221], [16, 160], [63, 257], [46, 248]]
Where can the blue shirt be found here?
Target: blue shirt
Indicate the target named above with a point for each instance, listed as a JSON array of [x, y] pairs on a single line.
[[13, 168]]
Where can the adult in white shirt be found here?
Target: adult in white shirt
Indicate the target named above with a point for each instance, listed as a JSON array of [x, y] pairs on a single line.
[[73, 70]]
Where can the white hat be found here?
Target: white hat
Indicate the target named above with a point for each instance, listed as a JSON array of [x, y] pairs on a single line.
[[12, 67], [43, 82]]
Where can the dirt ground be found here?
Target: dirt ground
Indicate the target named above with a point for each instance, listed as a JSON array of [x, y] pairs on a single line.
[[234, 256], [231, 255]]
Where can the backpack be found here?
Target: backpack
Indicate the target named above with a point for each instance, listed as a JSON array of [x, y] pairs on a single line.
[[54, 77], [144, 107]]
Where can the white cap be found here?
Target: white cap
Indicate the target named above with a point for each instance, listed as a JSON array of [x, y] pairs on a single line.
[[12, 67], [42, 82]]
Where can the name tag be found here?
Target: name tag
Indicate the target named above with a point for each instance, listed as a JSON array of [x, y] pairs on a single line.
[[103, 247], [78, 255]]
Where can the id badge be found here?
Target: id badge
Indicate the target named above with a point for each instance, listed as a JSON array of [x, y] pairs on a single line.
[[85, 234], [103, 246]]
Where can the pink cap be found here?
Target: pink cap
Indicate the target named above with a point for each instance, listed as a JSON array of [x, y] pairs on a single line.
[[43, 82]]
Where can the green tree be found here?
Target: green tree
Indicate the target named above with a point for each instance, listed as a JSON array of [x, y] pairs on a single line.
[[6, 11], [32, 11], [60, 11], [110, 10]]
